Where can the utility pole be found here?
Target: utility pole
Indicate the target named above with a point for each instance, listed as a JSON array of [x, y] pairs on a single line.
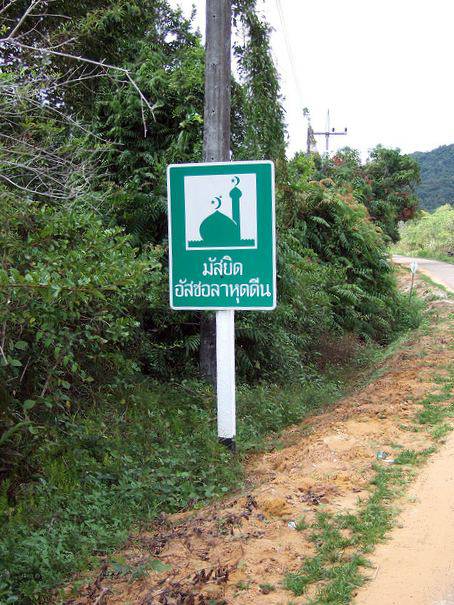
[[216, 148], [310, 141], [329, 132]]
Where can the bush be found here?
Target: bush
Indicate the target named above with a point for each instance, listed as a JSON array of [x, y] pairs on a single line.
[[71, 294], [334, 277]]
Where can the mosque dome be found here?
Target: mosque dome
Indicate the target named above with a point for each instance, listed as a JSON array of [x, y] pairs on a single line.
[[219, 230]]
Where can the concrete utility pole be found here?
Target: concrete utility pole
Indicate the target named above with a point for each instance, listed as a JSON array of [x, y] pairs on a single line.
[[216, 131], [310, 141], [216, 148], [330, 132]]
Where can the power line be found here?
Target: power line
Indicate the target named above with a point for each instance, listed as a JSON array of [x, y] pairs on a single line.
[[289, 49], [329, 132]]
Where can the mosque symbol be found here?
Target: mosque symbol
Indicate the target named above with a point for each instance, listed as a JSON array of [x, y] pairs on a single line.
[[219, 230]]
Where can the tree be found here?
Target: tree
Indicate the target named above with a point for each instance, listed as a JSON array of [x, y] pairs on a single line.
[[73, 288], [385, 184], [393, 178], [429, 234]]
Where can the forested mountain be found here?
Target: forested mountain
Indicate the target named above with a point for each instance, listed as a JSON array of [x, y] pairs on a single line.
[[437, 176]]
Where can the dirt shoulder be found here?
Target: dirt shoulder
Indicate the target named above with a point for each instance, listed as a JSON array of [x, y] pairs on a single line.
[[415, 566], [239, 550]]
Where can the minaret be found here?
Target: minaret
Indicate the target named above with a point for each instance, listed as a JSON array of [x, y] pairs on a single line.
[[235, 194]]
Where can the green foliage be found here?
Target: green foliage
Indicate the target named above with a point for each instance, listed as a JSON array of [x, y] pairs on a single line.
[[336, 227], [437, 177], [301, 524], [429, 235], [99, 473], [137, 163], [119, 464], [266, 409], [334, 278], [412, 457], [71, 294], [40, 157], [341, 541], [393, 179], [264, 130]]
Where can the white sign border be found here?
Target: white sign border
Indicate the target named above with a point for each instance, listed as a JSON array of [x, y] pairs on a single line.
[[273, 227]]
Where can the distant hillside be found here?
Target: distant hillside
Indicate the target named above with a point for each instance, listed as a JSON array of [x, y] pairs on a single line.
[[437, 176]]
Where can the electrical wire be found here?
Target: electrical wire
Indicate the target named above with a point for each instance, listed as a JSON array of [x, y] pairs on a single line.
[[289, 49]]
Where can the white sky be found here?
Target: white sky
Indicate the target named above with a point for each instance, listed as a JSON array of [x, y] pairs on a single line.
[[384, 69]]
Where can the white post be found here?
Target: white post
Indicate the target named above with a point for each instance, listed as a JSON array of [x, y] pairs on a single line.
[[225, 362]]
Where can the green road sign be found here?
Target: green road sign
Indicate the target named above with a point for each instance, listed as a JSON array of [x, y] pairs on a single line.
[[222, 236]]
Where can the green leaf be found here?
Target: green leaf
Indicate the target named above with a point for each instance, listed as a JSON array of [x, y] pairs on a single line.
[[28, 404], [21, 344], [159, 566], [14, 362], [10, 432]]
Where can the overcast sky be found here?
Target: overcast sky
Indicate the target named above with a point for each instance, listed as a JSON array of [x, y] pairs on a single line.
[[384, 69]]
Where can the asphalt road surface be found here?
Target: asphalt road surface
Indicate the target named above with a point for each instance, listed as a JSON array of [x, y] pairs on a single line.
[[440, 272]]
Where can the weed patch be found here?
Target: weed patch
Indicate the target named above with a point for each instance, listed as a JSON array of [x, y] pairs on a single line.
[[100, 474], [343, 540]]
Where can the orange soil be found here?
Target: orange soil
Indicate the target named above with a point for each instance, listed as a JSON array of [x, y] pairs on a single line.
[[226, 552]]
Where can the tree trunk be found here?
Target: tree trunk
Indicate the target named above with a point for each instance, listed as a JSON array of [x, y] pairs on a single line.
[[216, 133]]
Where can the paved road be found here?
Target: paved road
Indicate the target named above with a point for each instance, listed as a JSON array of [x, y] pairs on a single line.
[[440, 272]]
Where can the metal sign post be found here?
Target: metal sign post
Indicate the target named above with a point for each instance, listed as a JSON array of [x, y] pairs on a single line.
[[221, 227], [413, 269], [222, 254]]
